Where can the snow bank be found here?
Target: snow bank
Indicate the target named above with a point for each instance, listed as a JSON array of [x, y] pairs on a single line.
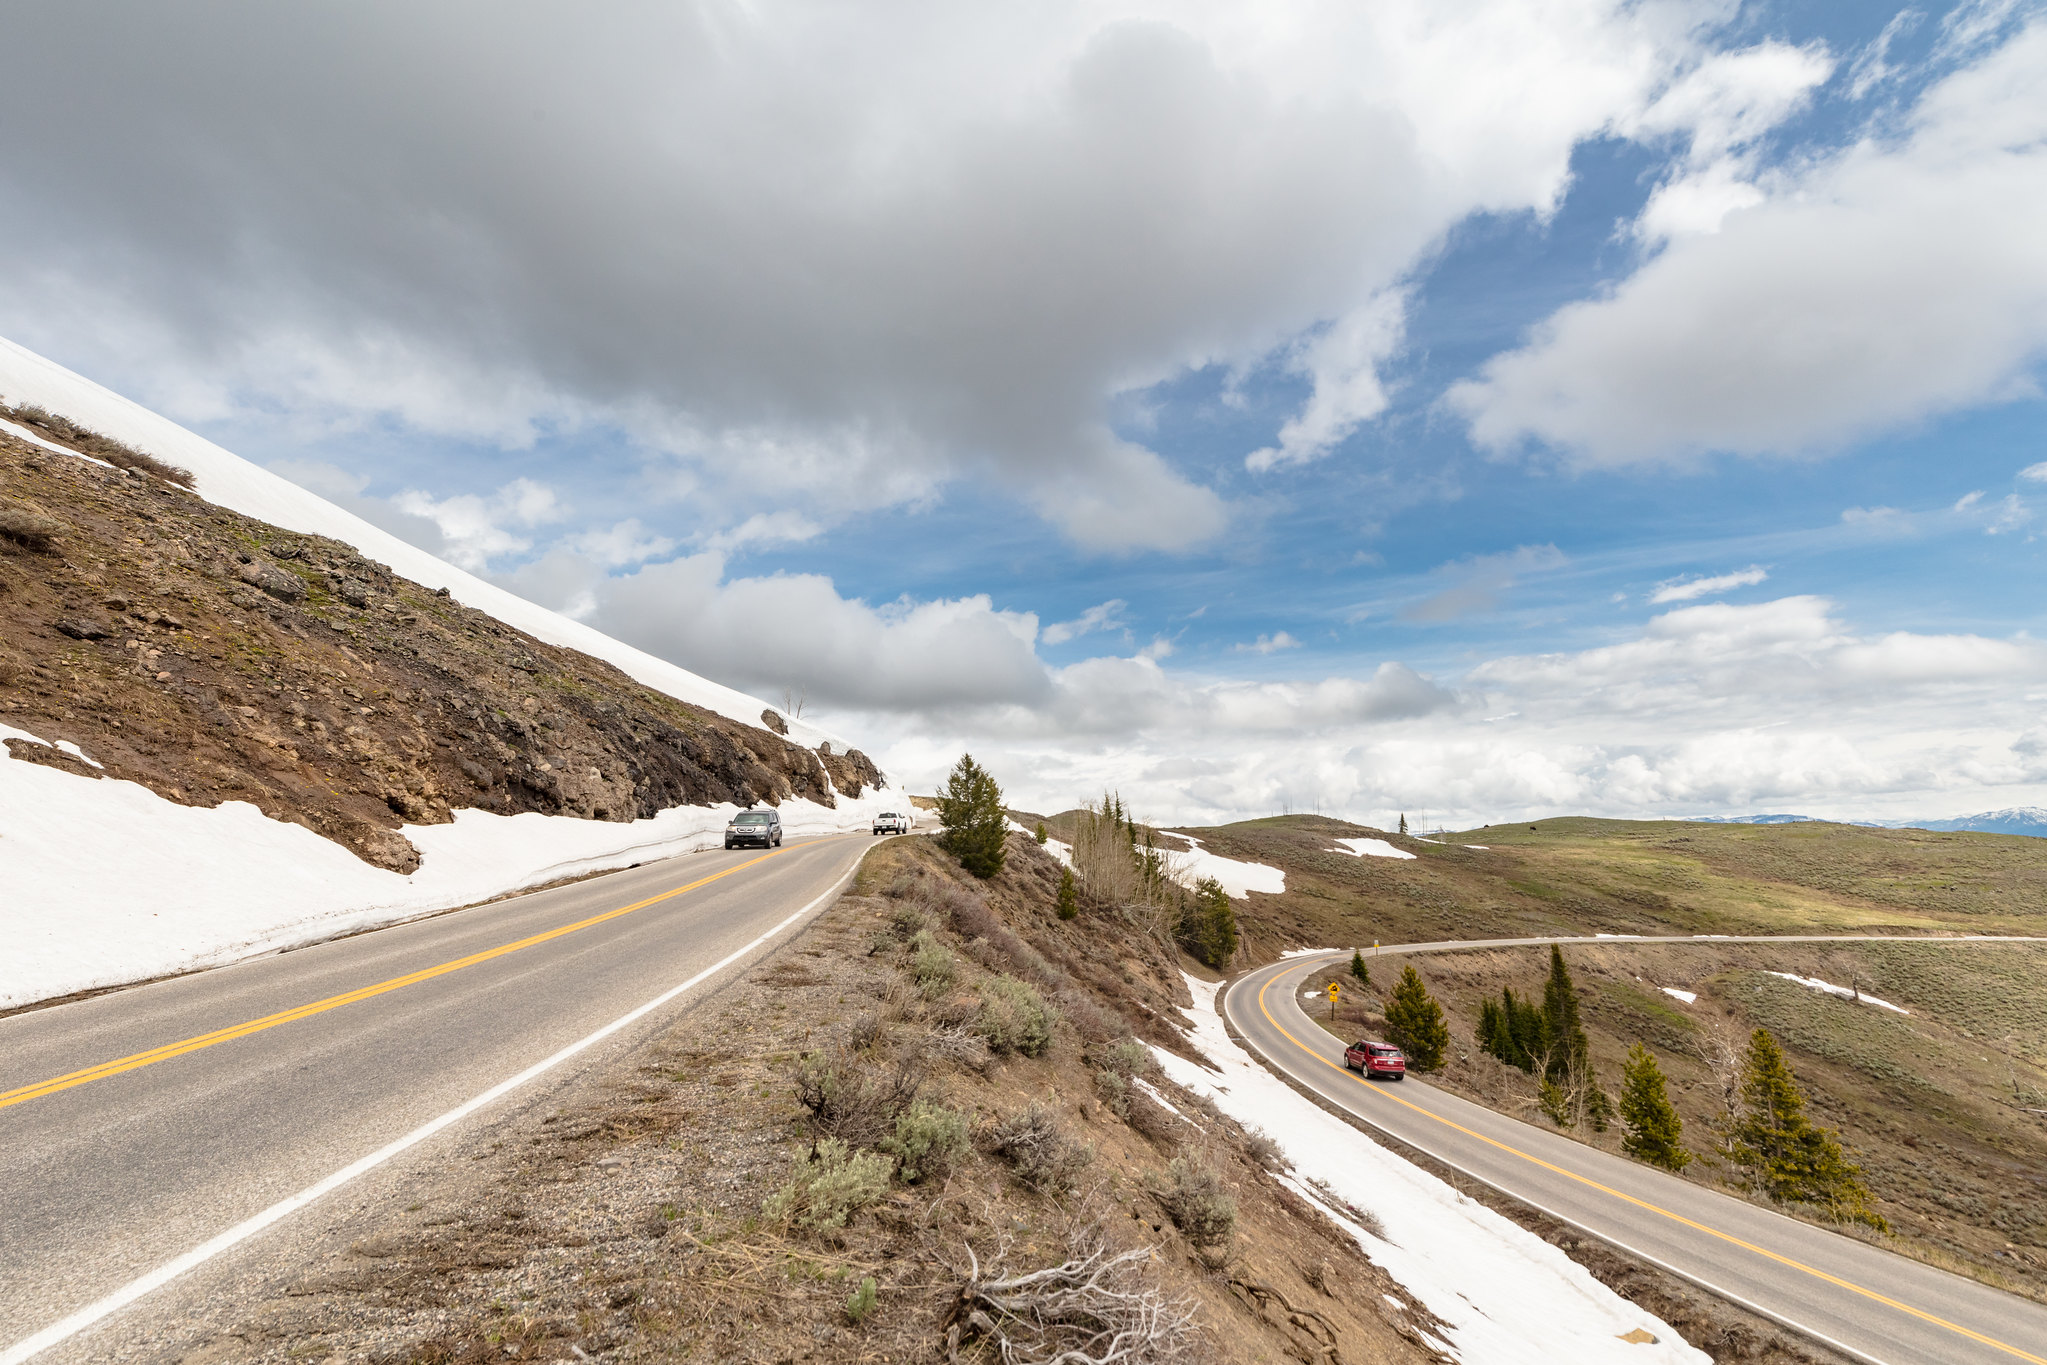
[[1829, 988], [107, 882], [1689, 997], [1370, 848], [1239, 879], [227, 479], [1506, 1295]]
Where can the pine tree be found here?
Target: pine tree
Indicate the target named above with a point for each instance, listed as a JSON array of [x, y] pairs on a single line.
[[1357, 967], [1512, 1030], [1788, 1157], [1042, 834], [1568, 1046], [975, 825], [1069, 895], [1208, 924], [1414, 1021], [1403, 822], [1654, 1130]]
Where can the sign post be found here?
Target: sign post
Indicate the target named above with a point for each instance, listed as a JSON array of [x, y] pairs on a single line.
[[1333, 989]]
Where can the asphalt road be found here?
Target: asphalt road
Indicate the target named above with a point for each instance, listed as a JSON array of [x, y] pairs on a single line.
[[1861, 1299], [138, 1126]]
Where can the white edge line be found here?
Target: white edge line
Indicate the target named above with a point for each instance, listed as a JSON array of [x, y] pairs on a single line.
[[1780, 1319], [135, 1289]]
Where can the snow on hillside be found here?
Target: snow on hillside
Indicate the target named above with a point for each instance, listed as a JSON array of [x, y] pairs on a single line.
[[108, 883], [1238, 878], [1507, 1296], [1370, 848], [228, 480]]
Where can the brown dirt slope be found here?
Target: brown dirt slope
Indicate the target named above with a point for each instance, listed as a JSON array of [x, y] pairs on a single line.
[[212, 657], [636, 1223]]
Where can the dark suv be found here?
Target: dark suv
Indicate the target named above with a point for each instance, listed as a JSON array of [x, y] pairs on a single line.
[[762, 827], [1375, 1059]]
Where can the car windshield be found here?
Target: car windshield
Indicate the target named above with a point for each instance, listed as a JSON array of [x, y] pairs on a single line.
[[751, 820]]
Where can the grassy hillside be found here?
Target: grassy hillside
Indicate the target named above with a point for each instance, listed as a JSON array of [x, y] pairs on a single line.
[[1945, 1106], [1580, 876]]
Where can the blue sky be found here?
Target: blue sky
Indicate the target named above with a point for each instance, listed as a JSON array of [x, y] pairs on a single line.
[[1645, 392]]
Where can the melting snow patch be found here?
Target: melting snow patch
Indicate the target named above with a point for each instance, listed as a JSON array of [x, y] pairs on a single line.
[[1239, 879], [1815, 984], [1370, 848], [72, 749], [1689, 997], [1504, 1294]]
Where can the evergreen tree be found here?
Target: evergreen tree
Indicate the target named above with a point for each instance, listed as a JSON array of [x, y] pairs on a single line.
[[1568, 1046], [1042, 834], [1208, 924], [1357, 967], [1069, 895], [1512, 1030], [1654, 1130], [1414, 1021], [975, 825], [1787, 1156], [1403, 822]]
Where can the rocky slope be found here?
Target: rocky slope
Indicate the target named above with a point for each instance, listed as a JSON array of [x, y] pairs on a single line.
[[213, 657]]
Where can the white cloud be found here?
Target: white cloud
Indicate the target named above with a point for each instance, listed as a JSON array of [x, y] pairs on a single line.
[[1712, 708], [1269, 644], [476, 530], [1896, 280], [2035, 473], [1688, 589], [880, 251], [1108, 616], [1343, 361], [765, 528]]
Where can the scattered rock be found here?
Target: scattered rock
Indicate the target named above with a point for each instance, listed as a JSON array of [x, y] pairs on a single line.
[[279, 583], [27, 530], [774, 721], [114, 602], [80, 628], [354, 591]]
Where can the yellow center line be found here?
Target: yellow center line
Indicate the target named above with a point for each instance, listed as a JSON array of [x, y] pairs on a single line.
[[137, 1061], [1729, 1238]]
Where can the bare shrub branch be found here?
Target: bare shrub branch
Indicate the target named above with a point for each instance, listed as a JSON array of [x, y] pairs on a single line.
[[1096, 1308]]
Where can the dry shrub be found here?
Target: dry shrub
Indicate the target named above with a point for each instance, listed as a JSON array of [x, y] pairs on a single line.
[[1115, 1091], [1093, 1023], [829, 1185], [849, 1097], [928, 1141], [1038, 1148], [117, 453], [1266, 1153], [933, 964], [961, 1046], [1015, 1018], [1199, 1204]]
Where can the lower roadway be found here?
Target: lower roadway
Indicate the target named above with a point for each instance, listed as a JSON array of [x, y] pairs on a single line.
[[1863, 1300], [139, 1126]]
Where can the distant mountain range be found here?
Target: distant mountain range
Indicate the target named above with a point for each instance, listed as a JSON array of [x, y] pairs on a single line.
[[2029, 820]]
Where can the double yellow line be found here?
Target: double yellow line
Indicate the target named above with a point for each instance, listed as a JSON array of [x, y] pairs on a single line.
[[136, 1061], [1589, 1183]]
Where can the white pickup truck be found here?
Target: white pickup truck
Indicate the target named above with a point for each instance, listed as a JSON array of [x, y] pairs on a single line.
[[888, 822]]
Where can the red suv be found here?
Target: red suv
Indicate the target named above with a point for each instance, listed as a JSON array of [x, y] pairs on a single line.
[[1375, 1059]]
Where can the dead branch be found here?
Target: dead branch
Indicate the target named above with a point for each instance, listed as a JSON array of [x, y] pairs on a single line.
[[1096, 1308]]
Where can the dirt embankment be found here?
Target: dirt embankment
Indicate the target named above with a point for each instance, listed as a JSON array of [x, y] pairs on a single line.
[[212, 657], [650, 1217]]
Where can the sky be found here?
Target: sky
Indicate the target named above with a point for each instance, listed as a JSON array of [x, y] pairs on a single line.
[[1479, 411]]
